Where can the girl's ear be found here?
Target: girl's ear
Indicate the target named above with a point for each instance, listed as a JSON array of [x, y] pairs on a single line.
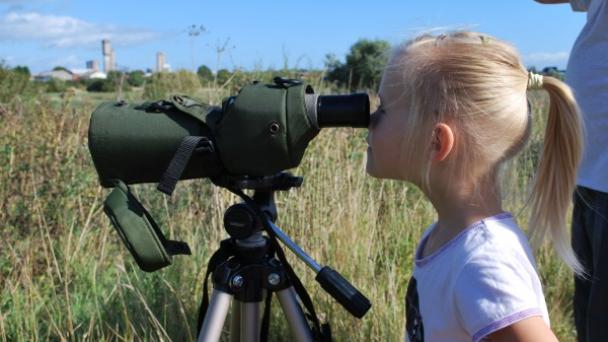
[[443, 142]]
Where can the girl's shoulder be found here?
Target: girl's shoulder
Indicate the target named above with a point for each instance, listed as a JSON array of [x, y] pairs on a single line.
[[485, 240], [499, 239]]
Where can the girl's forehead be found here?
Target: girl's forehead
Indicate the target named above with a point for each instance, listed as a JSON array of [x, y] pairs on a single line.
[[393, 84]]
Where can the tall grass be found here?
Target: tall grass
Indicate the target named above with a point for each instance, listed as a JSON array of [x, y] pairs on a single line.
[[64, 274]]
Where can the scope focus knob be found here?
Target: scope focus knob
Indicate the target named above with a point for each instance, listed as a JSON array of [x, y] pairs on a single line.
[[240, 221]]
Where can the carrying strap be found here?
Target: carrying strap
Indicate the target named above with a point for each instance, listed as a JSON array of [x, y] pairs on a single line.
[[180, 160], [172, 247], [181, 103]]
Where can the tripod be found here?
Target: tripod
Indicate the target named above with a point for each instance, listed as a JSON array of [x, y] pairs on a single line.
[[246, 272]]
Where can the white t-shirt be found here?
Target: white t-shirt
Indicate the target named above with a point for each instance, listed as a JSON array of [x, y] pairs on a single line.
[[482, 280], [587, 75]]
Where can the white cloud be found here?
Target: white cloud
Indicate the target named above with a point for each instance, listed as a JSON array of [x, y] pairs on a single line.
[[548, 57], [65, 31], [39, 63]]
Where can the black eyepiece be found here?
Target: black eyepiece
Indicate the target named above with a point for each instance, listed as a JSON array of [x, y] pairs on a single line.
[[339, 110]]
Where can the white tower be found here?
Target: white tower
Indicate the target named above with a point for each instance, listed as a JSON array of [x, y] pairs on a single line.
[[106, 50], [112, 60], [160, 61]]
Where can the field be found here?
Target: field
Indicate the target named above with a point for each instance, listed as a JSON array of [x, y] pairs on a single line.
[[65, 275]]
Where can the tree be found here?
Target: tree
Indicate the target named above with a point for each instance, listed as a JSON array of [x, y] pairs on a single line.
[[136, 78], [553, 72], [336, 70], [364, 64], [22, 69], [204, 73], [57, 68], [223, 75]]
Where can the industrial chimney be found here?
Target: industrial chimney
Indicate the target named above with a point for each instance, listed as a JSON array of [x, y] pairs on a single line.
[[108, 56]]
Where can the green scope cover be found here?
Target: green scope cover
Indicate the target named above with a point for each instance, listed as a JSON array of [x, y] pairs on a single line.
[[263, 130], [135, 142]]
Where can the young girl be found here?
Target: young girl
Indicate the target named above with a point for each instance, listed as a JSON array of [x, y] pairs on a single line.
[[453, 110]]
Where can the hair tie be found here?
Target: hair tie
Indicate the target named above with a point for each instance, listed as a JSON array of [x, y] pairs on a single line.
[[535, 81]]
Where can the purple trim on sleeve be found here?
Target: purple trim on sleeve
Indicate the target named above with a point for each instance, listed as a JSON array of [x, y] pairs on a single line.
[[422, 261], [506, 321]]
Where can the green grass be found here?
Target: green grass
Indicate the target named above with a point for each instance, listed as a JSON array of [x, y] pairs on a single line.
[[64, 274]]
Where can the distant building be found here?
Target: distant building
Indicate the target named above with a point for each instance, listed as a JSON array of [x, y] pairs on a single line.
[[87, 74], [112, 60], [109, 57], [90, 72], [61, 74], [92, 65], [97, 75], [160, 61]]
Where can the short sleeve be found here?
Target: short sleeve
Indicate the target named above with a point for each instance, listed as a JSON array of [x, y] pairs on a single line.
[[493, 292], [579, 5]]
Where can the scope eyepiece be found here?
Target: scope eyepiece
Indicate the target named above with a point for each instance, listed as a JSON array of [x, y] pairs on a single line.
[[338, 110]]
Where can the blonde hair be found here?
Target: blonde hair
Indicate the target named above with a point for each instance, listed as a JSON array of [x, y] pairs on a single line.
[[477, 84]]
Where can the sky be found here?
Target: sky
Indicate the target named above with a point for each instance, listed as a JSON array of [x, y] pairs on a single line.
[[262, 34]]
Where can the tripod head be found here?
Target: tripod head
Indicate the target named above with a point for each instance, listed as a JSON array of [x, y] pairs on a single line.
[[245, 222], [240, 220]]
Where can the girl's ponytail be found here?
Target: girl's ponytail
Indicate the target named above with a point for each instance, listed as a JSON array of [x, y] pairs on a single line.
[[555, 179]]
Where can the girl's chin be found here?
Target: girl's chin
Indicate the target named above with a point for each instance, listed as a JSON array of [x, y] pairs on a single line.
[[369, 168]]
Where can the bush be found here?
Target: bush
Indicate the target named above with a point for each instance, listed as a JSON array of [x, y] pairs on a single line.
[[163, 84], [114, 82], [13, 82], [56, 86], [223, 75], [101, 86], [118, 81]]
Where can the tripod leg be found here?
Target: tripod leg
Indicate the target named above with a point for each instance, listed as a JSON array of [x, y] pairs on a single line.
[[295, 315], [250, 322], [235, 321], [215, 317]]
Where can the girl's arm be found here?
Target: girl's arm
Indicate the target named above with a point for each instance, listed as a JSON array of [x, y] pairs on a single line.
[[531, 329]]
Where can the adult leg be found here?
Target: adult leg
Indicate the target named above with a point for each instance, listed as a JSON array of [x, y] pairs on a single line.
[[597, 311], [582, 248]]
